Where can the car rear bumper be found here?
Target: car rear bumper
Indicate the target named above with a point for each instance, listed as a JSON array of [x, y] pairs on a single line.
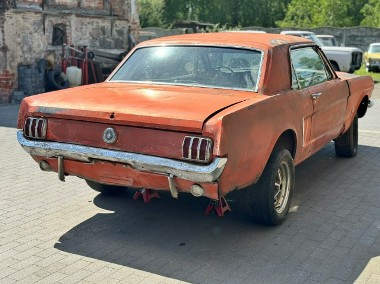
[[144, 163]]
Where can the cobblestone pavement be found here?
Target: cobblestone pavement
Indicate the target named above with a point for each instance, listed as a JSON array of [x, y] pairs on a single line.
[[54, 232]]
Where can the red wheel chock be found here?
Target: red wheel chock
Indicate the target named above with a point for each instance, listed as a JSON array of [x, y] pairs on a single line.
[[220, 206], [147, 195]]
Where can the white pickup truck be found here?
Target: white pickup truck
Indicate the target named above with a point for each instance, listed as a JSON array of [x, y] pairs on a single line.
[[345, 59]]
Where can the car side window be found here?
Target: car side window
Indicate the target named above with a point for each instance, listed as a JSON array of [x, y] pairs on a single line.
[[295, 84], [308, 68]]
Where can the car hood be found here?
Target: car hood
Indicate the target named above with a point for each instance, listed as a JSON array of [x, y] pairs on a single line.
[[375, 55], [180, 108], [341, 48]]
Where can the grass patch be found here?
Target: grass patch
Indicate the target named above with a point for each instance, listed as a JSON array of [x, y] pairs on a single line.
[[375, 76]]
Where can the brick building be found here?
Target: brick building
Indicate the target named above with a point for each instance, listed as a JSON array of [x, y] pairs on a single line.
[[35, 29]]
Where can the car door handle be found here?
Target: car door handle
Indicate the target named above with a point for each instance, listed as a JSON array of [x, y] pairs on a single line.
[[316, 96]]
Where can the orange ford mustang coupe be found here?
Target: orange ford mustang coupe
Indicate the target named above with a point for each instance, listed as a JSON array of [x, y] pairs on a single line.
[[204, 114]]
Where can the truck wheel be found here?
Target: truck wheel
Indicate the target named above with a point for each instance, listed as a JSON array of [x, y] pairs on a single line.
[[105, 189], [271, 196], [347, 144]]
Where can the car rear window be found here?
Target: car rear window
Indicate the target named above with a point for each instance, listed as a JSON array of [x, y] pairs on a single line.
[[204, 66]]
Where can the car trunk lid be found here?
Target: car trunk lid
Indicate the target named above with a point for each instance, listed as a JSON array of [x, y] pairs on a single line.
[[180, 108]]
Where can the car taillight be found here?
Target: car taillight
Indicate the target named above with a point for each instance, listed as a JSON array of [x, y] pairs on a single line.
[[196, 149], [35, 128]]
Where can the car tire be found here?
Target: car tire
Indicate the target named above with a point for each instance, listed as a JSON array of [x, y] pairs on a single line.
[[347, 144], [56, 80], [368, 69], [270, 197], [105, 189]]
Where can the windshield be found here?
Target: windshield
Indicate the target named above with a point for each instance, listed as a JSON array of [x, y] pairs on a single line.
[[216, 67], [314, 38], [374, 49], [328, 41]]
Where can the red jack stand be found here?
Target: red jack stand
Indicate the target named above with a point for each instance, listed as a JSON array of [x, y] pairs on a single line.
[[147, 195], [220, 206]]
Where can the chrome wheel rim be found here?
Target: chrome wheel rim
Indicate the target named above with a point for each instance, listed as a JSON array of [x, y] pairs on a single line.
[[282, 186]]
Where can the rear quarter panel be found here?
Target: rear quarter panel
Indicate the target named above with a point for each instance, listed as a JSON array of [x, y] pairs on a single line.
[[248, 132], [360, 87]]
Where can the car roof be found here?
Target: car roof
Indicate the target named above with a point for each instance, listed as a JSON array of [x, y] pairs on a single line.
[[296, 33], [331, 36], [236, 39], [375, 43], [249, 31]]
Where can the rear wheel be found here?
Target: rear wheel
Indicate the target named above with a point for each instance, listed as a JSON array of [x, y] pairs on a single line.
[[347, 144], [105, 189], [271, 196]]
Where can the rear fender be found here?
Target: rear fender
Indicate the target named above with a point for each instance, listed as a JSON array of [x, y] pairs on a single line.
[[248, 132], [361, 88]]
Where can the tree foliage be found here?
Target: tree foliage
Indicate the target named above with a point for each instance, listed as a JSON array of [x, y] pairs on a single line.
[[228, 12], [301, 13], [334, 13], [316, 13], [264, 13], [371, 12], [151, 12]]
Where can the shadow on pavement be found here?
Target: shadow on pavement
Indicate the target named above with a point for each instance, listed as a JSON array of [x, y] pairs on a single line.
[[331, 232], [8, 116]]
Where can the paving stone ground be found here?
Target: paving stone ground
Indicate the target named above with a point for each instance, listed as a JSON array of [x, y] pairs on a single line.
[[54, 232]]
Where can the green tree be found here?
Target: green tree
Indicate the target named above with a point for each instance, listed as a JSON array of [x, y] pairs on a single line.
[[151, 12], [334, 13], [313, 13], [231, 13], [175, 10], [354, 9], [301, 13], [371, 13], [269, 11]]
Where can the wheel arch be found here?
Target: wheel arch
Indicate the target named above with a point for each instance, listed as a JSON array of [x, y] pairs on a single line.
[[287, 140], [363, 106], [335, 65]]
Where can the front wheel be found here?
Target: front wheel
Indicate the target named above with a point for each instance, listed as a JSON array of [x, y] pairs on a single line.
[[347, 144], [105, 189], [271, 196]]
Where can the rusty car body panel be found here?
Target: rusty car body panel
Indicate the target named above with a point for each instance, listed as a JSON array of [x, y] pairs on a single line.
[[153, 119]]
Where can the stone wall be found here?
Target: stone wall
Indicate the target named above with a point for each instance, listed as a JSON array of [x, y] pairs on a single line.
[[24, 38], [7, 81], [26, 31], [357, 36], [7, 78], [3, 47]]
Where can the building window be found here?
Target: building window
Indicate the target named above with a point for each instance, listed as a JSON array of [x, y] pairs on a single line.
[[59, 35]]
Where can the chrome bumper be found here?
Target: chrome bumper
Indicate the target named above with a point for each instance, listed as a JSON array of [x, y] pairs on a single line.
[[184, 170]]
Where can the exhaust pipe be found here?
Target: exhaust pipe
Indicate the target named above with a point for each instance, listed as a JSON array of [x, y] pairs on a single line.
[[197, 190], [44, 166]]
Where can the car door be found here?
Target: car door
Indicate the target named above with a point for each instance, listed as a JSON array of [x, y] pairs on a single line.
[[327, 92]]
